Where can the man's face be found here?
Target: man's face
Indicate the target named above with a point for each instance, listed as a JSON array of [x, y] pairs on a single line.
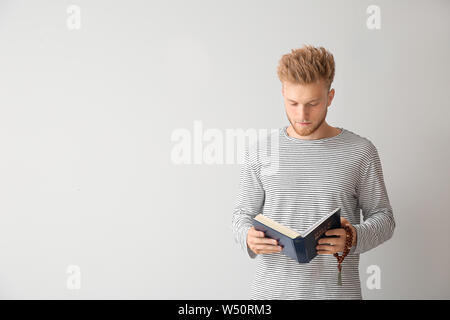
[[306, 103]]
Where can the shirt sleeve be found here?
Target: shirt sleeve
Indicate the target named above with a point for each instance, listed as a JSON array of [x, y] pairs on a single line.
[[249, 203], [379, 223]]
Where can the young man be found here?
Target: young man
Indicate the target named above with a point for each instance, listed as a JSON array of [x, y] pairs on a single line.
[[320, 168]]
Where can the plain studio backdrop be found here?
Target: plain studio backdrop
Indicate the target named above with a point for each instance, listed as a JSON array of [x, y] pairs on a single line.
[[92, 203]]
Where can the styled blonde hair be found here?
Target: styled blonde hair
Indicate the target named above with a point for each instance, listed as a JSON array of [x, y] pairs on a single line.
[[307, 65]]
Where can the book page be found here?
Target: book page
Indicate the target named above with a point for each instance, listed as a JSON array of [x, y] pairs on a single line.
[[277, 226]]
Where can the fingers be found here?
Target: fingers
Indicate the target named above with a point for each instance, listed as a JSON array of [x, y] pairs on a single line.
[[336, 232], [325, 252], [259, 249], [255, 233], [330, 241], [328, 245], [327, 249], [261, 241], [334, 244], [261, 244], [258, 237]]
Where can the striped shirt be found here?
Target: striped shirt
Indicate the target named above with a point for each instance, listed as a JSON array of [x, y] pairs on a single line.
[[301, 182]]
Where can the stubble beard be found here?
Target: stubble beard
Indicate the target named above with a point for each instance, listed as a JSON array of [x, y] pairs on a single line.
[[308, 130]]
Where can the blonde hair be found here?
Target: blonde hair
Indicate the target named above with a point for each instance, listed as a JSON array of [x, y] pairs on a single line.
[[307, 65]]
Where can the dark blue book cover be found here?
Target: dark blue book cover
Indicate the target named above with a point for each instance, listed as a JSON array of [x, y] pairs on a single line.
[[299, 246]]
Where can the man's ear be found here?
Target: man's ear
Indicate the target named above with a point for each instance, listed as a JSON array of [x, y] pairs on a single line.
[[330, 96]]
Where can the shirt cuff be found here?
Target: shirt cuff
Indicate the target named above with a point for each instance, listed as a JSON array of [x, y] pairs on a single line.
[[359, 239]]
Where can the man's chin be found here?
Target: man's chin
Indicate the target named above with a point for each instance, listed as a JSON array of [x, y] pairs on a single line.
[[302, 131]]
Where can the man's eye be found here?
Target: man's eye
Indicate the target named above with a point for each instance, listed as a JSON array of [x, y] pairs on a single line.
[[312, 105]]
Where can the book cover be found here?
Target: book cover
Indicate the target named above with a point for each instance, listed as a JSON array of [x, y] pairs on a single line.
[[299, 246]]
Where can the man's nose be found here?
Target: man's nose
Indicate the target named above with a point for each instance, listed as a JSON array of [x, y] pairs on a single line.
[[302, 113]]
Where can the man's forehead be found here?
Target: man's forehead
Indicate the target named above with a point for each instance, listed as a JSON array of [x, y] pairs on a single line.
[[304, 93]]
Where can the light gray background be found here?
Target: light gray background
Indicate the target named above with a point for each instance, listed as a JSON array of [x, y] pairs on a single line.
[[86, 118]]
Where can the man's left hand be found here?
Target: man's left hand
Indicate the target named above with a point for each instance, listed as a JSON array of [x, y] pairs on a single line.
[[329, 245]]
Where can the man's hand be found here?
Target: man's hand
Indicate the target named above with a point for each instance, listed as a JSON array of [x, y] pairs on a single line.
[[259, 244], [332, 245]]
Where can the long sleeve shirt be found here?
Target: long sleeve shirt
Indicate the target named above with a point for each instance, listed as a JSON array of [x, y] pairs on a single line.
[[296, 182]]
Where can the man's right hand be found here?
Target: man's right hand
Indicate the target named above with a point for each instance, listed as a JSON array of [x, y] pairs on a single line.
[[260, 244]]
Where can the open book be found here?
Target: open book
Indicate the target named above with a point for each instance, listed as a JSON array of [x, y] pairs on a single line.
[[298, 246]]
